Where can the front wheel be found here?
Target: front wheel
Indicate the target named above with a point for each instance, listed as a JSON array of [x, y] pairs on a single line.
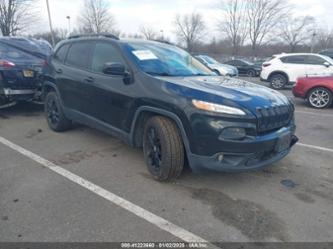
[[320, 98], [278, 81], [163, 148]]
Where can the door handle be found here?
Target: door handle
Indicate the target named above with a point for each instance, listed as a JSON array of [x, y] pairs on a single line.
[[59, 70], [89, 79]]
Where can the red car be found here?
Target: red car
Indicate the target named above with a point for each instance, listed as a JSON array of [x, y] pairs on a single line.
[[318, 90]]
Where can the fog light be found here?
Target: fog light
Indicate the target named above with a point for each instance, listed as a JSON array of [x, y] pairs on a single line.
[[233, 133]]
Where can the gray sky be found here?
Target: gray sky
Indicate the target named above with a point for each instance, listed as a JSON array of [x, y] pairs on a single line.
[[131, 14]]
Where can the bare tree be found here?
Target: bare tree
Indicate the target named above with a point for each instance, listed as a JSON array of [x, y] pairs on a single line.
[[95, 17], [59, 35], [233, 23], [148, 32], [190, 29], [297, 31], [15, 16], [263, 16], [324, 38]]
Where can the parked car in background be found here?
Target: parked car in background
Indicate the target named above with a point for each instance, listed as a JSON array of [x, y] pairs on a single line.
[[157, 96], [284, 69], [317, 91], [217, 67], [245, 67], [21, 62], [327, 52]]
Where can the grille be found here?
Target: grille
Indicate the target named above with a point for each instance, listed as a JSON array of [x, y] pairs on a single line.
[[273, 118]]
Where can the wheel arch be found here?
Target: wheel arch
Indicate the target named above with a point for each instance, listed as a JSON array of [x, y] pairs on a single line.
[[143, 114], [278, 72], [317, 86]]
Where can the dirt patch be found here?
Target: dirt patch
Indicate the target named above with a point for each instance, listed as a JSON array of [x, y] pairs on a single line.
[[253, 220], [75, 157], [304, 197], [79, 155]]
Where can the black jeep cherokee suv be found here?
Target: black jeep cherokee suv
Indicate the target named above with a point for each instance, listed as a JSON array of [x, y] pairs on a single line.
[[157, 96]]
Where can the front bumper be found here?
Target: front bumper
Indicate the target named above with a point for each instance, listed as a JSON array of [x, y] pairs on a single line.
[[264, 153]]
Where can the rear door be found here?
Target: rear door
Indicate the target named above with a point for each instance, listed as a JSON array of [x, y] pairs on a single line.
[[295, 66], [72, 77]]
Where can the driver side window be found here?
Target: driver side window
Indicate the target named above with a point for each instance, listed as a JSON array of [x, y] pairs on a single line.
[[105, 53]]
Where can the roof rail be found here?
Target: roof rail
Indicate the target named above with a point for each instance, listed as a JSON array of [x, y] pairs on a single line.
[[162, 41], [107, 35]]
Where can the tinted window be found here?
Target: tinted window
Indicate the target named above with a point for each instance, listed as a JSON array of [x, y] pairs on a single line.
[[61, 53], [297, 59], [79, 55], [105, 52], [315, 60]]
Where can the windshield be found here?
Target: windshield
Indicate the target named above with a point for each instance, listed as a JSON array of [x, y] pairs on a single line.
[[165, 60], [247, 62], [329, 59], [210, 60]]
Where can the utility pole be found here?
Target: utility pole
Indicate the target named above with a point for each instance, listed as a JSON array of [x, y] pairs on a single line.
[[313, 41], [50, 22]]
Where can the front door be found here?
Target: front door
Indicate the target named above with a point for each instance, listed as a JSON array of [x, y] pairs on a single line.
[[112, 99]]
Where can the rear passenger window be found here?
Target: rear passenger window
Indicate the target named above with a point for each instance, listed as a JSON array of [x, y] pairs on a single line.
[[297, 59], [61, 53], [79, 55], [105, 52]]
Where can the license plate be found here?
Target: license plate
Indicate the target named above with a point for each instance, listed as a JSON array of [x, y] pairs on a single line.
[[28, 73], [283, 142]]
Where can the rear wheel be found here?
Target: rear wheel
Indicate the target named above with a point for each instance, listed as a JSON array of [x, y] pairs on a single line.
[[320, 98], [251, 73], [163, 148], [278, 81], [54, 113]]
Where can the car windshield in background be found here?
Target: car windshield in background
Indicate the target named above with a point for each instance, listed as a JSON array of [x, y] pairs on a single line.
[[210, 60], [17, 56], [247, 62], [165, 60], [329, 59]]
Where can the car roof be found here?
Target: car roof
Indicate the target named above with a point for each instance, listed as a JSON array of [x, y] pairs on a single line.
[[113, 39], [294, 54]]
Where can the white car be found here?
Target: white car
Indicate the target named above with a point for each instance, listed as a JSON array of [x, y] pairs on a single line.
[[284, 69], [217, 67]]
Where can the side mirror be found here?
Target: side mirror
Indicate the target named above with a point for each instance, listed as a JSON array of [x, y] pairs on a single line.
[[327, 64], [114, 69]]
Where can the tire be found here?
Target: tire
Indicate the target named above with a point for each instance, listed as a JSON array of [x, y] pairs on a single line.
[[278, 81], [54, 114], [320, 98], [251, 73], [163, 149]]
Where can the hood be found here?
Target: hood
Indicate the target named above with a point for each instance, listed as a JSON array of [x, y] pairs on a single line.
[[226, 90]]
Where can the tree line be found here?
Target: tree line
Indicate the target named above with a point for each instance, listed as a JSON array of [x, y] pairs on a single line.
[[245, 27]]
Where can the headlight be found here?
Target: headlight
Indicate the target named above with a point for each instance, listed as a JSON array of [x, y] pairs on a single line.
[[202, 105]]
